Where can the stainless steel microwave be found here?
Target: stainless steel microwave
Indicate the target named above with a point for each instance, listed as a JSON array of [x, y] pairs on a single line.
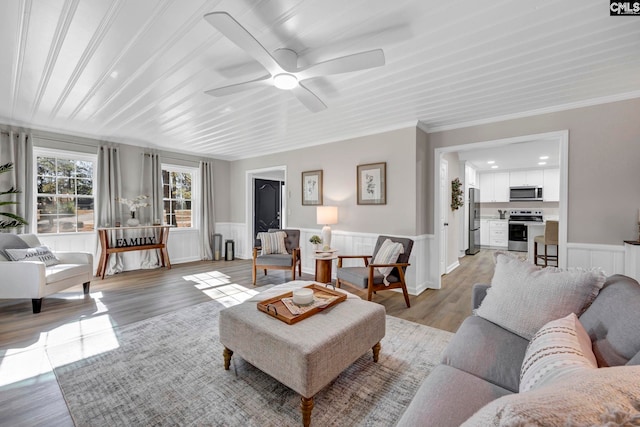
[[525, 194]]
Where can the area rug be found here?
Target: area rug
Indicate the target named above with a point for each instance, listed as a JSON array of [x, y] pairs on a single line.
[[168, 370]]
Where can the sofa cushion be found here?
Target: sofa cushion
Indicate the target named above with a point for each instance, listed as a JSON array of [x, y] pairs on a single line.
[[447, 397], [560, 348], [59, 272], [10, 241], [524, 297], [40, 253], [612, 321], [488, 351], [605, 396]]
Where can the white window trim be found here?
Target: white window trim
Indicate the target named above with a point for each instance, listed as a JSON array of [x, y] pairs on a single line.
[[195, 194], [65, 154]]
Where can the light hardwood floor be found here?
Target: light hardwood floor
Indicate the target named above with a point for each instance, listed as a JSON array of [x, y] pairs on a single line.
[[29, 392]]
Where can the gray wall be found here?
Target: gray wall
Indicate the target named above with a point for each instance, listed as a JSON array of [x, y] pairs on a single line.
[[604, 172], [338, 160]]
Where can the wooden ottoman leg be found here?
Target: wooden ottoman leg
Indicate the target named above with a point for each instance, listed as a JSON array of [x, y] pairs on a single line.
[[306, 405], [376, 351], [227, 357]]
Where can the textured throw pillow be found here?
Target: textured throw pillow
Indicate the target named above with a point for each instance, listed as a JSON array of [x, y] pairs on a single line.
[[41, 253], [523, 297], [11, 241], [273, 243], [590, 397], [562, 347], [388, 254]]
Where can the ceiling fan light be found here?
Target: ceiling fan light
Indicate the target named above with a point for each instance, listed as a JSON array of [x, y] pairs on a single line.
[[285, 81]]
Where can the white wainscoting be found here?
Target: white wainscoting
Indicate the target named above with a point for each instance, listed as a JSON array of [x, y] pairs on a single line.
[[238, 233], [184, 245], [610, 258]]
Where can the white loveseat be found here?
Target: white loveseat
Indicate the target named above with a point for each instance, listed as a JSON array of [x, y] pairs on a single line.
[[35, 280]]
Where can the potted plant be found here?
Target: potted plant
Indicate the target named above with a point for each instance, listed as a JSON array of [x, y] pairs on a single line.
[[315, 240], [13, 220]]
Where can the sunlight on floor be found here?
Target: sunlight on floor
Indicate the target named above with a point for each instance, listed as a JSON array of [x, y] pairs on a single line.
[[218, 286], [74, 341]]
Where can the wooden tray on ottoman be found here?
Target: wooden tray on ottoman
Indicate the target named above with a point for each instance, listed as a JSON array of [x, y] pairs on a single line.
[[276, 308]]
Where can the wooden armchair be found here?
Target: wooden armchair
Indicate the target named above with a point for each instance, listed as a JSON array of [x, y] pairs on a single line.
[[370, 277], [287, 261]]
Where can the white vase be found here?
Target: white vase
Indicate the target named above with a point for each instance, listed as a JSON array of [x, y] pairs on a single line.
[[133, 221]]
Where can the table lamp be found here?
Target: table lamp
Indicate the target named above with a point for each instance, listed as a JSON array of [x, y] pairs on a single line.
[[326, 215]]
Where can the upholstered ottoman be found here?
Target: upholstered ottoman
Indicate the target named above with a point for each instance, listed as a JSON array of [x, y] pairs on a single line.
[[307, 355]]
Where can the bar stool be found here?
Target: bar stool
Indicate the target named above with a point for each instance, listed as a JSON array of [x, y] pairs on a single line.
[[550, 238]]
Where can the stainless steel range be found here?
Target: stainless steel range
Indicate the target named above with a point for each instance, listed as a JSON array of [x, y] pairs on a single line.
[[518, 230]]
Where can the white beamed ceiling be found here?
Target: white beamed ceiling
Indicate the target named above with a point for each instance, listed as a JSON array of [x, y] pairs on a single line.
[[135, 71]]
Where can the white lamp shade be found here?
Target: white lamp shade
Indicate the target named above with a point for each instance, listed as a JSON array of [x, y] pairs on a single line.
[[327, 215]]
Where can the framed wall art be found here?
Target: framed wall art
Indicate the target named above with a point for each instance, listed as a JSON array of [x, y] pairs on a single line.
[[372, 184], [312, 188]]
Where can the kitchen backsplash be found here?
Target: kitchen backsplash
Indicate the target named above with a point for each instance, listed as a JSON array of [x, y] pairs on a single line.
[[491, 209]]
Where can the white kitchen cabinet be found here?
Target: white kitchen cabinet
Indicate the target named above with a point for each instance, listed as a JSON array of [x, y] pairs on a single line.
[[526, 178], [484, 232], [551, 188], [494, 187], [498, 233], [471, 175]]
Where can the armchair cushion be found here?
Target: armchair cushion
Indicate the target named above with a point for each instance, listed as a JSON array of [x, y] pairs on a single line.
[[359, 276], [273, 242], [284, 260], [40, 253]]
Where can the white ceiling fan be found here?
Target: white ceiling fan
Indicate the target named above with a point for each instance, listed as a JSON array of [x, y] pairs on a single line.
[[282, 66]]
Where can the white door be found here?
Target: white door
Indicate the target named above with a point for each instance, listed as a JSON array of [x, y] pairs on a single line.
[[444, 214]]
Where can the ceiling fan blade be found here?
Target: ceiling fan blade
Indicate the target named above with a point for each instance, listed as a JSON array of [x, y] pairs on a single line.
[[240, 87], [308, 99], [235, 32], [344, 64]]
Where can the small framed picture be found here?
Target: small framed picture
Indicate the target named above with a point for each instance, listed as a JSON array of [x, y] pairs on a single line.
[[312, 188], [372, 184]]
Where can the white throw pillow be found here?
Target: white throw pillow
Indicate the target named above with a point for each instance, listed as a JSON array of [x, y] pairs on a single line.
[[273, 242], [388, 254], [41, 253], [590, 397], [560, 348], [523, 297]]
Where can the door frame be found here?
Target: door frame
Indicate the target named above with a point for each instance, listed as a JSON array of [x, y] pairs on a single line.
[[249, 211], [563, 141]]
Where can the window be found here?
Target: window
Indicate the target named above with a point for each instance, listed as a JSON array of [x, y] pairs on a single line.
[[64, 192], [177, 184]]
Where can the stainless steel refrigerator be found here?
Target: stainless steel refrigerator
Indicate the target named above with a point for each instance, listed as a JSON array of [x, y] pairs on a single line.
[[474, 221]]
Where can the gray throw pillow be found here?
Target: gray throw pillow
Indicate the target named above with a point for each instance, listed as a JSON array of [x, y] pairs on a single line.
[[41, 253], [523, 297], [10, 241]]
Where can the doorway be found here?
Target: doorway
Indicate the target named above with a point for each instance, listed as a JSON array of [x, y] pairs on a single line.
[[267, 196], [274, 173], [562, 140]]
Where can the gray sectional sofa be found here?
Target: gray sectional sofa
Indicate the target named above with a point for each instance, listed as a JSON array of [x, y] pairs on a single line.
[[483, 361]]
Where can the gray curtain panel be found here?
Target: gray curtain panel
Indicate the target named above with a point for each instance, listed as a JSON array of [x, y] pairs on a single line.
[[108, 190], [207, 216], [152, 185], [16, 147]]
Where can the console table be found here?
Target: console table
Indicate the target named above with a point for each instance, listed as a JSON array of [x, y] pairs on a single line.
[[125, 244]]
